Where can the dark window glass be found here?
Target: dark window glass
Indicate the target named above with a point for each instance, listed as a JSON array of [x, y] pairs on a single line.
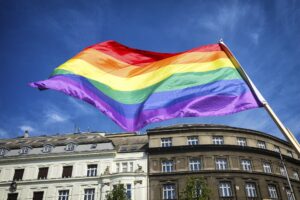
[[92, 170], [38, 195], [43, 173], [12, 196], [18, 174], [89, 194], [67, 171]]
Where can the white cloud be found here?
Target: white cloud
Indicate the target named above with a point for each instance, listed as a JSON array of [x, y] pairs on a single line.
[[26, 128], [56, 117]]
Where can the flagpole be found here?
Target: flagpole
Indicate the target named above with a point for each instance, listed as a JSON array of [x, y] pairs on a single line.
[[289, 136]]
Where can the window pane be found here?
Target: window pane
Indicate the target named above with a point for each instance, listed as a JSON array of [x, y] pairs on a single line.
[[67, 171], [63, 195], [38, 195], [92, 170], [43, 173], [225, 189], [12, 196], [169, 191], [89, 194], [18, 174]]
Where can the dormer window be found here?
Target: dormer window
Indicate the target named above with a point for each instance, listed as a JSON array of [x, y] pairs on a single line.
[[3, 151], [47, 148], [70, 147], [24, 150]]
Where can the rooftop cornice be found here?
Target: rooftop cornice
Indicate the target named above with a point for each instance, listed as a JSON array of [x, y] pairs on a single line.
[[211, 127]]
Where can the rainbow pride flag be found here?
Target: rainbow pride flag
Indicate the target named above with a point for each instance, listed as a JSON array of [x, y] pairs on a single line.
[[136, 87]]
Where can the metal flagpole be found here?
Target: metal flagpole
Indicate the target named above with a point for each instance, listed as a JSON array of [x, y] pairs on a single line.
[[287, 175], [289, 136]]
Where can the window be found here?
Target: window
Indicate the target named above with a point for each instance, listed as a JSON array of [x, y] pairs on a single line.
[[18, 174], [295, 175], [167, 166], [276, 149], [166, 142], [92, 170], [70, 147], [128, 191], [218, 140], [225, 189], [12, 196], [131, 166], [89, 194], [63, 195], [221, 164], [282, 171], [3, 151], [250, 190], [67, 171], [93, 146], [246, 165], [290, 153], [38, 195], [272, 192], [195, 164], [47, 148], [124, 167], [193, 140], [24, 150], [261, 144], [289, 194], [43, 173], [169, 191], [117, 167], [267, 167], [241, 141]]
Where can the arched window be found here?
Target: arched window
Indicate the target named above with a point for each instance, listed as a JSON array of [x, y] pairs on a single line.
[[24, 150], [70, 147], [47, 148], [3, 151]]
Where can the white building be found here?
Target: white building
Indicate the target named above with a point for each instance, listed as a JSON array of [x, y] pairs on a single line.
[[71, 167]]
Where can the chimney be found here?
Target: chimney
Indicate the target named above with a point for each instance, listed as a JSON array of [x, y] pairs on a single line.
[[26, 134]]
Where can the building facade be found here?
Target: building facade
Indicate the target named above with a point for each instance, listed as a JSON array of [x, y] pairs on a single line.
[[71, 167], [236, 164]]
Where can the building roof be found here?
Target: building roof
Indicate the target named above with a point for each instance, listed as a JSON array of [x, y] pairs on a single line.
[[55, 140], [129, 142]]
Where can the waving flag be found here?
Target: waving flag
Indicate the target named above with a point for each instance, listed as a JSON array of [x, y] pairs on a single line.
[[136, 87]]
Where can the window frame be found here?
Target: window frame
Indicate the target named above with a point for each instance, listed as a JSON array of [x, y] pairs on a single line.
[[24, 150], [40, 175], [218, 140], [221, 164], [169, 191], [167, 166], [70, 146], [92, 170], [63, 196], [253, 190], [261, 144], [267, 165], [272, 190], [243, 143], [246, 165], [64, 173], [192, 140], [194, 162], [166, 142], [20, 171], [89, 194], [225, 189], [47, 148]]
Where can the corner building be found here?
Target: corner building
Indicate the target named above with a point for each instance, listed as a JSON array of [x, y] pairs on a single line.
[[236, 164]]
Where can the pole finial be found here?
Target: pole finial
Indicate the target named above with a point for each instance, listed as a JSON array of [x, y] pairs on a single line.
[[221, 40]]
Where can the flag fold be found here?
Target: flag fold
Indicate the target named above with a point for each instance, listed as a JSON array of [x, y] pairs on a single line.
[[136, 87]]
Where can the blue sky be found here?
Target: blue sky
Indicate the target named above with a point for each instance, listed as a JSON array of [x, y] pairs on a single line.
[[37, 36]]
